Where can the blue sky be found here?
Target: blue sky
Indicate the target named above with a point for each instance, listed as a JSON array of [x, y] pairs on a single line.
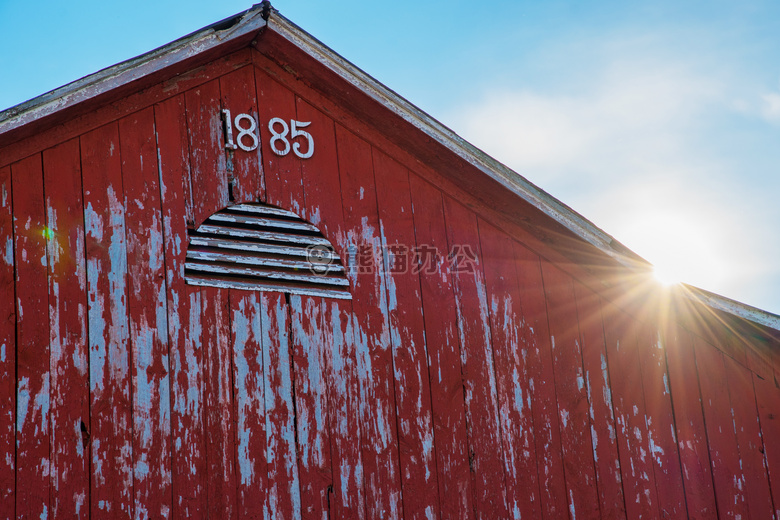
[[658, 121]]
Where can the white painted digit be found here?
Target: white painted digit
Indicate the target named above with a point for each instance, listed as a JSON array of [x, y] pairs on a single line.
[[294, 132], [228, 129], [277, 136], [243, 132]]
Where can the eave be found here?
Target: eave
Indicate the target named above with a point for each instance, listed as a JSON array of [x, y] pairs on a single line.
[[570, 229]]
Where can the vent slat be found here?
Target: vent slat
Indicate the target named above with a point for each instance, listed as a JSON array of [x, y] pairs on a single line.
[[229, 283], [264, 248], [262, 222], [256, 234], [241, 245], [263, 210], [218, 256], [264, 273]]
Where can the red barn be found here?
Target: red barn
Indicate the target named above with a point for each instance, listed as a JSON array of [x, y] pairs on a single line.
[[239, 278]]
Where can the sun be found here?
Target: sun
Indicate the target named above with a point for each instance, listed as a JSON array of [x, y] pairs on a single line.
[[682, 248]]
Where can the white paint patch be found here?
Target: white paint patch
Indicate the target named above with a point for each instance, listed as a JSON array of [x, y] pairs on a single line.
[[8, 256]]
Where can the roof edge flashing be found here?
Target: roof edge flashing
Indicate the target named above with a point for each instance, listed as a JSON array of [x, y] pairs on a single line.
[[108, 79], [494, 169], [733, 307]]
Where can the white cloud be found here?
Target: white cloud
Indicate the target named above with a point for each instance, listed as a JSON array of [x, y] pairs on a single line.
[[770, 108], [635, 153]]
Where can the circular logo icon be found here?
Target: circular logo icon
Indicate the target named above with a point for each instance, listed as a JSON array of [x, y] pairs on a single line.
[[320, 258]]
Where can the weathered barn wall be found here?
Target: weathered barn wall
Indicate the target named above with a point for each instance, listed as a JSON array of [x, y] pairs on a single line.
[[497, 385]]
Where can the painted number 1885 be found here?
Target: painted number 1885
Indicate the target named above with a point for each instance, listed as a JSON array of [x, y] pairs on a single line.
[[284, 137]]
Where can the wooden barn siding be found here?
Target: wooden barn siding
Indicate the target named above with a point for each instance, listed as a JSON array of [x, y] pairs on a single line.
[[505, 390]]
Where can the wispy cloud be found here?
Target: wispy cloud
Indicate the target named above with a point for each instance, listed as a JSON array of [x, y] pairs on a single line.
[[636, 151]]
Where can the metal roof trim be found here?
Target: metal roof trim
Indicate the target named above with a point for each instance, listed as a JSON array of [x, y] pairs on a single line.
[[733, 307], [108, 79], [257, 17], [510, 179]]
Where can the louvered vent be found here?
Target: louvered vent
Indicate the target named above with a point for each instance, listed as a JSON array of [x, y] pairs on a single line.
[[264, 248]]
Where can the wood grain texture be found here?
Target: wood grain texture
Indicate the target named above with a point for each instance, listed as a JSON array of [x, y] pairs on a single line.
[[111, 426], [185, 325], [69, 413], [749, 439], [571, 393], [218, 403], [447, 395], [541, 379], [407, 335], [7, 350], [659, 415], [132, 102], [322, 191], [625, 373], [768, 401], [249, 381], [32, 336], [244, 168], [208, 167], [283, 499], [147, 306], [370, 328], [727, 469], [510, 347], [601, 411], [282, 173], [689, 423], [477, 364], [311, 359]]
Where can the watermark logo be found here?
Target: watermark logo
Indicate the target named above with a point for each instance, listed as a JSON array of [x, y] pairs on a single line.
[[396, 259], [320, 259]]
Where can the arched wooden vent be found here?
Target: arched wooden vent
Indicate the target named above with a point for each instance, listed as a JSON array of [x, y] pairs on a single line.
[[264, 248]]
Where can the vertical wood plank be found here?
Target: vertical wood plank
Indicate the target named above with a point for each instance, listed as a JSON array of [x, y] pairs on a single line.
[[218, 403], [573, 405], [689, 422], [210, 193], [322, 190], [726, 465], [148, 317], [660, 422], [477, 360], [542, 382], [239, 96], [283, 499], [7, 350], [751, 447], [602, 416], [69, 469], [768, 400], [310, 329], [447, 397], [282, 173], [312, 364], [407, 335], [111, 424], [249, 370], [632, 433], [370, 329], [514, 391], [188, 456], [207, 157], [32, 337]]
